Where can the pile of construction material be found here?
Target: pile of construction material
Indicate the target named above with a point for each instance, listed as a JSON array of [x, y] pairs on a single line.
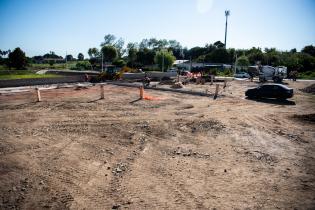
[[177, 85]]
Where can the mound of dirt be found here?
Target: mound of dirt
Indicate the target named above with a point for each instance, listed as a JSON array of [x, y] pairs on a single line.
[[305, 117], [200, 126], [177, 85], [309, 89], [167, 82]]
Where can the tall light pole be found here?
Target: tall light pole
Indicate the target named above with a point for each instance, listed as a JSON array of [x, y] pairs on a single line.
[[227, 13]]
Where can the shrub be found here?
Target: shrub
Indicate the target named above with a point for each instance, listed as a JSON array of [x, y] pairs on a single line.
[[119, 62], [51, 62], [83, 65]]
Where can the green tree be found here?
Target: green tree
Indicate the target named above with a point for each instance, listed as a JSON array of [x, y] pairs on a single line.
[[109, 53], [218, 44], [242, 62], [219, 55], [144, 44], [255, 58], [132, 56], [17, 59], [69, 57], [80, 57], [119, 45], [119, 62], [145, 57], [52, 55], [310, 49], [164, 59], [109, 39], [306, 61], [195, 52], [83, 65], [176, 48], [93, 52]]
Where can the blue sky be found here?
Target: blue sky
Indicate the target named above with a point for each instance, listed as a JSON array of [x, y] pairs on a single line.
[[73, 26]]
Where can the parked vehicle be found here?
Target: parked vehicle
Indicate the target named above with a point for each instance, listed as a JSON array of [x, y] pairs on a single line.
[[185, 73], [277, 74], [242, 75], [172, 70], [277, 91]]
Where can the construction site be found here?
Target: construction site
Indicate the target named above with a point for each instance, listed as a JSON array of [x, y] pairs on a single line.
[[119, 146]]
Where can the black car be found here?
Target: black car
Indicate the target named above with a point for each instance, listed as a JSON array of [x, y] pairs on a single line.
[[270, 91]]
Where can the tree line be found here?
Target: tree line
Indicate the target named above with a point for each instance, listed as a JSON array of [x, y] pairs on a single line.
[[155, 53], [148, 51]]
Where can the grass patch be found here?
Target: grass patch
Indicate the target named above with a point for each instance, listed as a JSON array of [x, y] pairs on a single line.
[[26, 76], [307, 75], [60, 66], [16, 72], [34, 66]]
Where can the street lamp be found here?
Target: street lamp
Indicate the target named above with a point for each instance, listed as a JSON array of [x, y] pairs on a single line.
[[227, 13]]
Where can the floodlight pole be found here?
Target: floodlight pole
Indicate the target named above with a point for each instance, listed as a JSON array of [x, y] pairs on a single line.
[[227, 13]]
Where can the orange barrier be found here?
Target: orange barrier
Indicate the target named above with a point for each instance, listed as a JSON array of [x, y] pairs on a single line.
[[146, 97], [151, 98]]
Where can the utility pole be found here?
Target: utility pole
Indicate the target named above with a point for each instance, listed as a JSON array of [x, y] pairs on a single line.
[[227, 13], [163, 62], [66, 59], [190, 62], [102, 62], [235, 63]]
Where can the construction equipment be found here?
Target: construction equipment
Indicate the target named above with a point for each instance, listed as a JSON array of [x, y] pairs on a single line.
[[277, 74]]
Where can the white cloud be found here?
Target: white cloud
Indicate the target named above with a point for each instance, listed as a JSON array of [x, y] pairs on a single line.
[[203, 6]]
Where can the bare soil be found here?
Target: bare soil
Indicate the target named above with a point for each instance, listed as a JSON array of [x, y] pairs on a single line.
[[73, 151]]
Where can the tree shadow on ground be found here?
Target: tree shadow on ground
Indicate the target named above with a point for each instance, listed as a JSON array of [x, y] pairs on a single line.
[[273, 101], [270, 82]]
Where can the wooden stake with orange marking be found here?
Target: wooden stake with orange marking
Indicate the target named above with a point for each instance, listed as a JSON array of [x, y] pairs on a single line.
[[216, 91], [102, 91], [38, 98], [141, 89]]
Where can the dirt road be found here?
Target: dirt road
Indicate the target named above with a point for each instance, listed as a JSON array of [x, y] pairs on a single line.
[[72, 151]]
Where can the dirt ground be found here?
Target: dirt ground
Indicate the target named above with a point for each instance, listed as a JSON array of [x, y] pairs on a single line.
[[72, 151]]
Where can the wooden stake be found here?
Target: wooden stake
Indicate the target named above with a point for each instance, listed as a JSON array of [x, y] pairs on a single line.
[[216, 91], [212, 79], [38, 98], [224, 86], [102, 91], [141, 89]]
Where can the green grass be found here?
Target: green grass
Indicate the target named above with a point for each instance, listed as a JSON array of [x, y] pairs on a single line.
[[16, 72], [26, 76], [70, 64], [307, 75], [59, 66]]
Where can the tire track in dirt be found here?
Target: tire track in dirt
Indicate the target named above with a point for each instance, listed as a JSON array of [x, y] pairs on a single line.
[[69, 176]]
